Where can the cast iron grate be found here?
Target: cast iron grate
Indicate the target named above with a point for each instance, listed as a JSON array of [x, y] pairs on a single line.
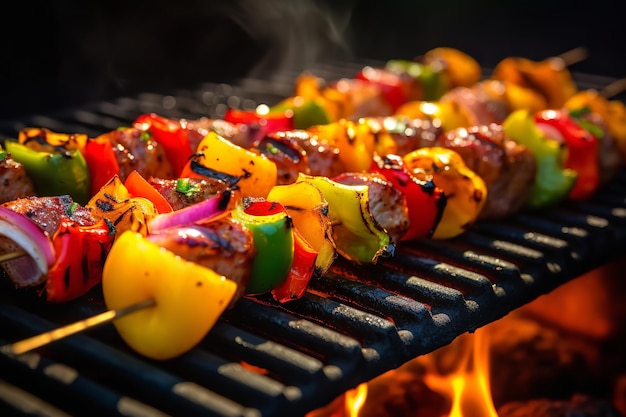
[[264, 359]]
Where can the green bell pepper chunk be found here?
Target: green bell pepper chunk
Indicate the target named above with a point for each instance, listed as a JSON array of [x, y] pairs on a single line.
[[54, 173], [272, 233], [306, 112], [434, 82], [553, 181]]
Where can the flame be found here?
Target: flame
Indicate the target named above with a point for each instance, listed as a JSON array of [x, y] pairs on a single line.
[[468, 384], [355, 398]]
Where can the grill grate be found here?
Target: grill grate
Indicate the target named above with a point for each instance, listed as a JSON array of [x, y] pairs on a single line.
[[264, 359]]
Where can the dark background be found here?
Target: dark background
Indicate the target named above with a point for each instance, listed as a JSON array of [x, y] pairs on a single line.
[[64, 53]]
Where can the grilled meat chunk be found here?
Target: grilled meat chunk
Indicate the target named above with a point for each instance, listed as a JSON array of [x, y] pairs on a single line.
[[222, 245], [136, 150], [507, 167], [386, 203], [47, 212], [184, 192], [409, 134], [480, 103], [285, 151], [609, 157], [323, 156], [14, 181], [197, 129]]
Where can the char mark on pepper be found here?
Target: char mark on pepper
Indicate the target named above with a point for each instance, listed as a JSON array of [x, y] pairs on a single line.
[[200, 169]]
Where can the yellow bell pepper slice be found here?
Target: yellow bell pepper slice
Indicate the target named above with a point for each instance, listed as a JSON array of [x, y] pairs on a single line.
[[189, 298], [308, 210], [255, 172], [460, 68], [120, 209], [356, 233], [448, 115], [356, 142], [466, 192]]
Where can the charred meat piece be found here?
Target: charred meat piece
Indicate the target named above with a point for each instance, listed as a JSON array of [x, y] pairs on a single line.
[[222, 245], [359, 98], [197, 129], [285, 151], [47, 212], [135, 149], [609, 157], [183, 192], [409, 134], [14, 181], [323, 156], [386, 203], [480, 104], [507, 167]]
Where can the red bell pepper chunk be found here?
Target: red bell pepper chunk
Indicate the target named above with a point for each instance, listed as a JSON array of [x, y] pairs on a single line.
[[393, 88], [170, 134], [101, 163], [80, 254], [260, 124], [425, 201], [582, 149], [138, 186], [301, 272]]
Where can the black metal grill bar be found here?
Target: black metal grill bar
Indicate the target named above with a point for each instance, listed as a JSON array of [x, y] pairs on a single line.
[[265, 359]]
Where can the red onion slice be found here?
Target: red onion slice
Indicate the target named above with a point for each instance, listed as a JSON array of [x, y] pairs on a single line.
[[18, 232], [196, 213]]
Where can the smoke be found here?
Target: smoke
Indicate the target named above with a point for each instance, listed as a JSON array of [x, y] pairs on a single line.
[[298, 34]]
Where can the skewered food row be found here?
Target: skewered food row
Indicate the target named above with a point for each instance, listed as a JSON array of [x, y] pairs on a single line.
[[305, 194]]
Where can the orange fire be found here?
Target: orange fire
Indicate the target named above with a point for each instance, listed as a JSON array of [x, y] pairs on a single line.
[[355, 399], [468, 383], [349, 404]]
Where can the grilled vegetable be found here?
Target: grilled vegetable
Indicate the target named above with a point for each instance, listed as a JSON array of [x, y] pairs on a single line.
[[188, 298], [582, 149], [460, 69], [272, 231], [612, 112], [466, 192], [170, 135], [553, 180], [306, 112], [254, 174], [425, 201], [54, 171], [102, 162], [302, 270], [308, 209], [355, 231], [80, 254], [123, 211], [356, 141], [432, 81], [14, 180], [18, 232], [138, 186], [260, 121], [549, 77], [449, 115], [80, 242]]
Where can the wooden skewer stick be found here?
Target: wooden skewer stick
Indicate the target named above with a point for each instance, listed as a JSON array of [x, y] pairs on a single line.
[[42, 339], [12, 255], [614, 88], [573, 56]]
